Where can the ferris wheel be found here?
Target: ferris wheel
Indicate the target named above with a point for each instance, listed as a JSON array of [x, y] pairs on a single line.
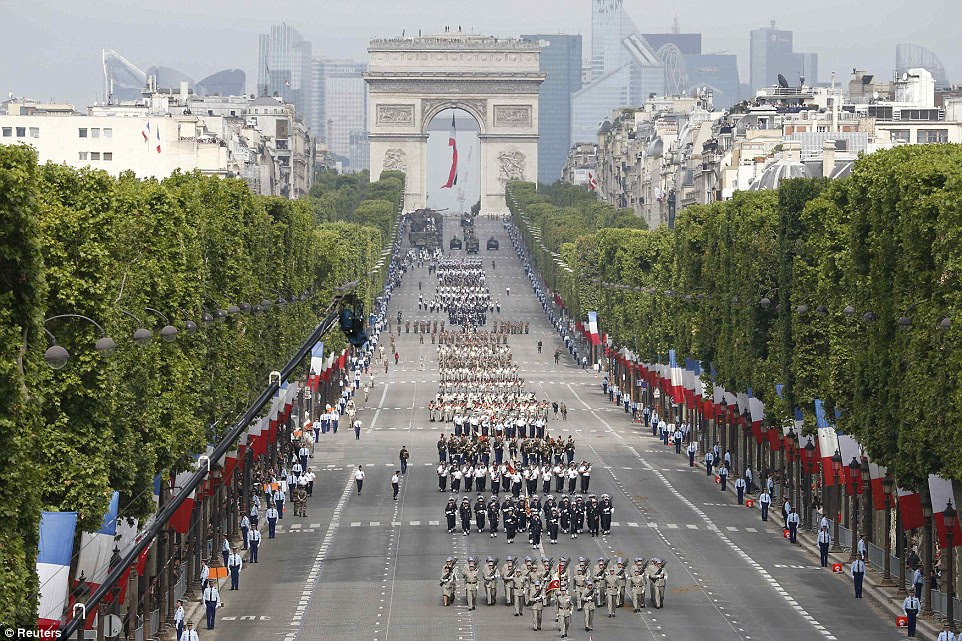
[[676, 75]]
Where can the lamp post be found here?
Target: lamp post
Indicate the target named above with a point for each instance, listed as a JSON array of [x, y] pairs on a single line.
[[866, 500], [215, 556], [950, 518], [808, 461], [888, 485], [56, 356], [724, 433], [837, 472], [854, 472], [927, 549]]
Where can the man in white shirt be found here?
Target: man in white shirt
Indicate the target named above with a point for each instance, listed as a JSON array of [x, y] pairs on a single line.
[[204, 573], [858, 575], [911, 606], [946, 634], [190, 634], [255, 543], [309, 477], [234, 564], [359, 478], [245, 526], [272, 515], [225, 549], [764, 501], [179, 618], [357, 430], [824, 540], [396, 483], [212, 601]]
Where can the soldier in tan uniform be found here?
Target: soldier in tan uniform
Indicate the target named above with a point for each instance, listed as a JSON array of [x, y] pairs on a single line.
[[520, 591], [564, 610], [507, 576], [588, 600], [581, 575], [448, 583], [536, 600], [611, 591], [471, 582], [489, 574]]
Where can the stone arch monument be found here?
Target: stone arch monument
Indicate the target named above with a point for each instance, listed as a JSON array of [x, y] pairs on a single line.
[[411, 80]]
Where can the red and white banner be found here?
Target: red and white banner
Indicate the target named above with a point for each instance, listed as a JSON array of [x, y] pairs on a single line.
[[827, 445], [943, 491], [910, 506], [876, 475]]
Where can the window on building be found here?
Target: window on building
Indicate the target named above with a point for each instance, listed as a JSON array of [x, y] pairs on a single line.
[[821, 129], [95, 155], [82, 132], [83, 155], [21, 132], [902, 135], [8, 132], [108, 133], [35, 132], [95, 132], [927, 136], [108, 155]]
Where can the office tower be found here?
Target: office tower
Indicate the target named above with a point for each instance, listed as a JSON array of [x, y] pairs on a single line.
[[625, 70], [772, 53], [340, 99], [284, 69], [561, 61]]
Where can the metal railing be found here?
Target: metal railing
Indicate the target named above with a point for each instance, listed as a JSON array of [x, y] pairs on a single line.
[[180, 588], [154, 622], [940, 603]]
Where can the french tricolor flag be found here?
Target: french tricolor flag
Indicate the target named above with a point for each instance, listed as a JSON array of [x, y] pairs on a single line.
[[677, 378], [910, 506], [317, 365], [851, 449], [180, 520], [158, 140], [876, 474], [57, 531], [96, 549], [827, 443], [593, 328], [145, 132], [943, 491], [453, 143]]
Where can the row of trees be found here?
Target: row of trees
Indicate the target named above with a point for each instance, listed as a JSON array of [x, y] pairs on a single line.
[[848, 291], [126, 252]]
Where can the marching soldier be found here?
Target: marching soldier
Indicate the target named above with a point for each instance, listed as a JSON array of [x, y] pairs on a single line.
[[507, 577], [494, 511], [637, 584], [564, 610], [536, 603], [519, 591], [450, 513], [480, 511], [588, 600], [605, 511], [622, 575], [658, 582], [510, 523], [611, 591], [465, 513], [580, 577], [553, 520], [448, 583], [471, 583], [300, 501], [489, 575]]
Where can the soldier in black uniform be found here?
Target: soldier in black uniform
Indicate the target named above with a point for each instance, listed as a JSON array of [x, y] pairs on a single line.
[[510, 523], [591, 513], [494, 511], [553, 519], [465, 513], [606, 509], [577, 517], [535, 535], [564, 514], [450, 512], [480, 511]]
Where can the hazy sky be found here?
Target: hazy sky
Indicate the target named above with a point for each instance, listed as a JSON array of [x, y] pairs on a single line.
[[51, 48]]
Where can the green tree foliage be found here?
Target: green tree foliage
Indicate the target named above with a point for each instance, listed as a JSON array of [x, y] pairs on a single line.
[[886, 243], [22, 298], [126, 252]]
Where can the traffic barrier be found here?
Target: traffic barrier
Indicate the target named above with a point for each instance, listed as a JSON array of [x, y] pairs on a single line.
[[785, 534], [836, 568], [901, 621], [749, 502]]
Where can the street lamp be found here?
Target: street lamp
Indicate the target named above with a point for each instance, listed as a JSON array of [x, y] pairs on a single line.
[[837, 471], [950, 518], [927, 552], [854, 473], [168, 332], [57, 356], [141, 336], [808, 461], [888, 485]]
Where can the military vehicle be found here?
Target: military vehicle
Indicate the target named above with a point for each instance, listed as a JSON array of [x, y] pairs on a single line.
[[425, 229], [493, 243], [455, 243], [471, 243]]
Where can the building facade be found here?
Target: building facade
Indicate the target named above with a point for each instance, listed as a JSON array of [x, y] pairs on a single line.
[[561, 63], [262, 141], [284, 68]]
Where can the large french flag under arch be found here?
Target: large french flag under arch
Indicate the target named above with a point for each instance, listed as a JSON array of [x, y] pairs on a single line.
[[53, 565], [453, 143], [96, 548]]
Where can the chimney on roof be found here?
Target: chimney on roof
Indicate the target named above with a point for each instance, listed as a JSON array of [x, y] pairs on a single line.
[[828, 158]]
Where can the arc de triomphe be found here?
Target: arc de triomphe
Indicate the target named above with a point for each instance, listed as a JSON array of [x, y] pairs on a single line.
[[410, 80]]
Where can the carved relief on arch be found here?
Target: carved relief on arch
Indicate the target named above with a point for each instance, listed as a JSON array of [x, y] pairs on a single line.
[[395, 160], [511, 166]]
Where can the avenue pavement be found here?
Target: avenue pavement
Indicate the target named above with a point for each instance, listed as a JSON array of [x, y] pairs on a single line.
[[367, 567]]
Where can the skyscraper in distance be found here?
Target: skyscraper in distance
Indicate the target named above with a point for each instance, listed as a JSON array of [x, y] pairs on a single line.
[[340, 99], [772, 52], [284, 68], [561, 61]]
